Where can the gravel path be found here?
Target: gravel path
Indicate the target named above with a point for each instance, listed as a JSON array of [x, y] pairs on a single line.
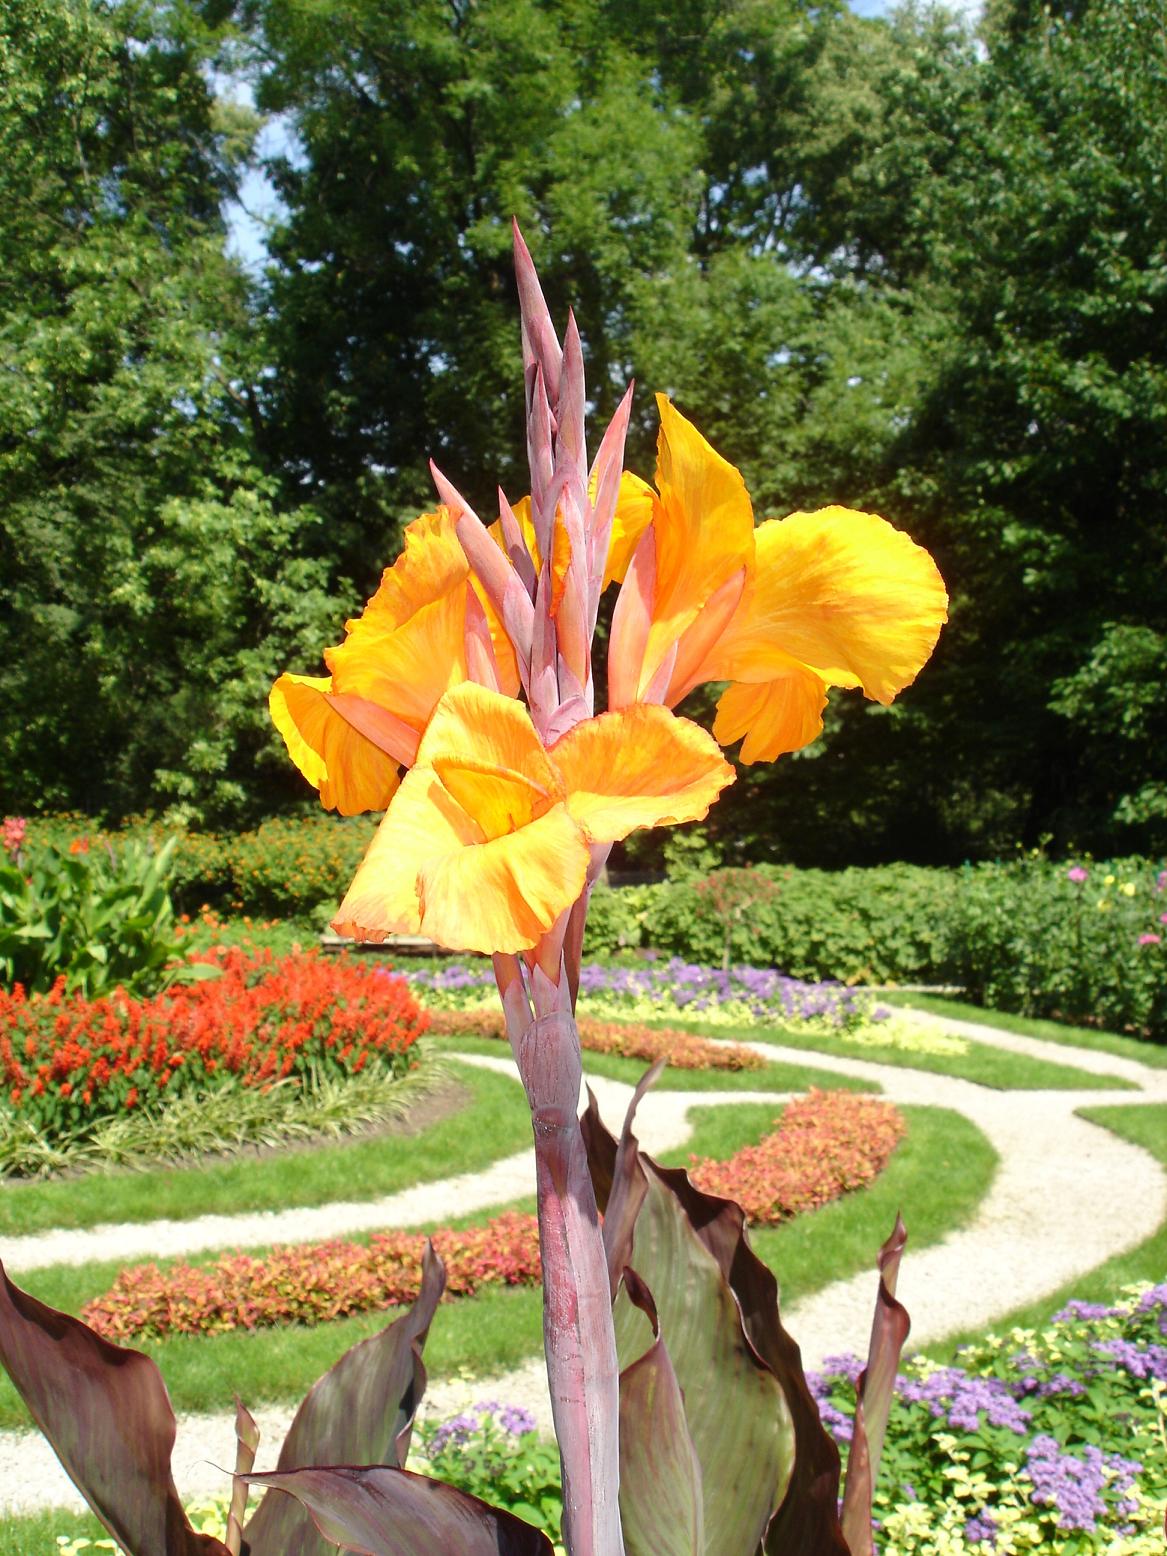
[[1066, 1197]]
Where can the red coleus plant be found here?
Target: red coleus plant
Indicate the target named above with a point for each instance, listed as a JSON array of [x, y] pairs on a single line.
[[311, 1283], [67, 1062], [826, 1144], [629, 1040]]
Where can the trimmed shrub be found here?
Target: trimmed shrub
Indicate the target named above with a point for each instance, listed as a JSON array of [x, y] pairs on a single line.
[[67, 1062]]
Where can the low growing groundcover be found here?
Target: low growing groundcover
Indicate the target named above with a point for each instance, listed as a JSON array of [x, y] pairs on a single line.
[[943, 1165], [490, 1120], [1140, 1049]]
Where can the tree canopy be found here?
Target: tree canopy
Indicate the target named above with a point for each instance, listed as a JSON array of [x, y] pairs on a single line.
[[877, 261]]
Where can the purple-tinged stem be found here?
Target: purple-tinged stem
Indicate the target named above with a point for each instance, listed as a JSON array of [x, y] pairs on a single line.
[[578, 1336]]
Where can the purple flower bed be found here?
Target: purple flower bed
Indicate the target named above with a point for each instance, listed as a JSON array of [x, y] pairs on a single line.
[[658, 987], [1037, 1440]]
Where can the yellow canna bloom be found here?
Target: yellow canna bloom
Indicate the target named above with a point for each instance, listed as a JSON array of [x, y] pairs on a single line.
[[424, 630], [832, 598], [488, 839]]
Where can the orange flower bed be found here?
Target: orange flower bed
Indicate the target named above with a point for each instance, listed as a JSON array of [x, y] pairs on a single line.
[[826, 1144], [629, 1040]]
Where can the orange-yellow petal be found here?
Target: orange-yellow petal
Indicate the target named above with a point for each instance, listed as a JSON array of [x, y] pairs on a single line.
[[480, 732], [503, 895], [429, 872], [409, 645], [351, 773], [775, 716], [422, 823], [632, 517], [704, 526], [844, 593], [638, 767]]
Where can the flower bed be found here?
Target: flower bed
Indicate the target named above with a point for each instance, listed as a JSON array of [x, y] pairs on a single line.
[[826, 1144], [67, 1062], [629, 1041], [1049, 1440], [667, 987], [311, 1283]]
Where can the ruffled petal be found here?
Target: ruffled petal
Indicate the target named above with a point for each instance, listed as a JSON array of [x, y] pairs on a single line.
[[503, 895], [632, 517], [775, 716], [638, 767], [843, 592], [422, 824], [351, 772], [482, 732], [704, 526], [408, 645]]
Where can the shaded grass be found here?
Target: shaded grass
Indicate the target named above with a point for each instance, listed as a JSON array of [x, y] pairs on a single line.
[[35, 1534], [1145, 1126], [985, 1066], [1145, 1052], [772, 1077], [494, 1124], [940, 1170]]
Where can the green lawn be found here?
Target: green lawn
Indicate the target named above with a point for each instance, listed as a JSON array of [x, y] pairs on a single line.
[[1154, 1054], [1145, 1126], [941, 1170], [986, 1066], [771, 1077], [495, 1124]]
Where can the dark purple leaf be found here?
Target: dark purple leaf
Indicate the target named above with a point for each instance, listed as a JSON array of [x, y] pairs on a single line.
[[806, 1523], [380, 1511], [889, 1331], [106, 1412], [661, 1501], [361, 1411]]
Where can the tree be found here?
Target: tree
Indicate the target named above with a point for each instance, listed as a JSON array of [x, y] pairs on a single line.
[[134, 515]]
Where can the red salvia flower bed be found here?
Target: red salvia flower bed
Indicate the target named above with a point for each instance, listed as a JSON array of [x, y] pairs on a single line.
[[630, 1040], [66, 1062], [312, 1283], [826, 1143]]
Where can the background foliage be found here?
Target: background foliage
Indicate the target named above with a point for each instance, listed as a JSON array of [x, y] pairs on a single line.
[[875, 260]]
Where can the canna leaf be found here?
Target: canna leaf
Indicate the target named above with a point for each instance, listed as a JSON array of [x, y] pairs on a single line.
[[362, 1410], [889, 1331], [378, 1510], [106, 1413], [661, 1501], [736, 1412]]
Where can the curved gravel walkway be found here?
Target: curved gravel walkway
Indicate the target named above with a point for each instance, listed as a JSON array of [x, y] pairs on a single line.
[[1066, 1197]]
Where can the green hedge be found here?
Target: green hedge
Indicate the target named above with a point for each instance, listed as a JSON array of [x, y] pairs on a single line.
[[282, 868], [1027, 936], [1021, 936]]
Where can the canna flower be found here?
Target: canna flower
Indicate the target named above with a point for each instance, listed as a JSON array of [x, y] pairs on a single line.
[[489, 838], [427, 628], [780, 611]]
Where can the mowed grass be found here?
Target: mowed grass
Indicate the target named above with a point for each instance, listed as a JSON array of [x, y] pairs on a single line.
[[938, 1174], [982, 1064], [1145, 1052], [494, 1124], [1145, 1126]]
